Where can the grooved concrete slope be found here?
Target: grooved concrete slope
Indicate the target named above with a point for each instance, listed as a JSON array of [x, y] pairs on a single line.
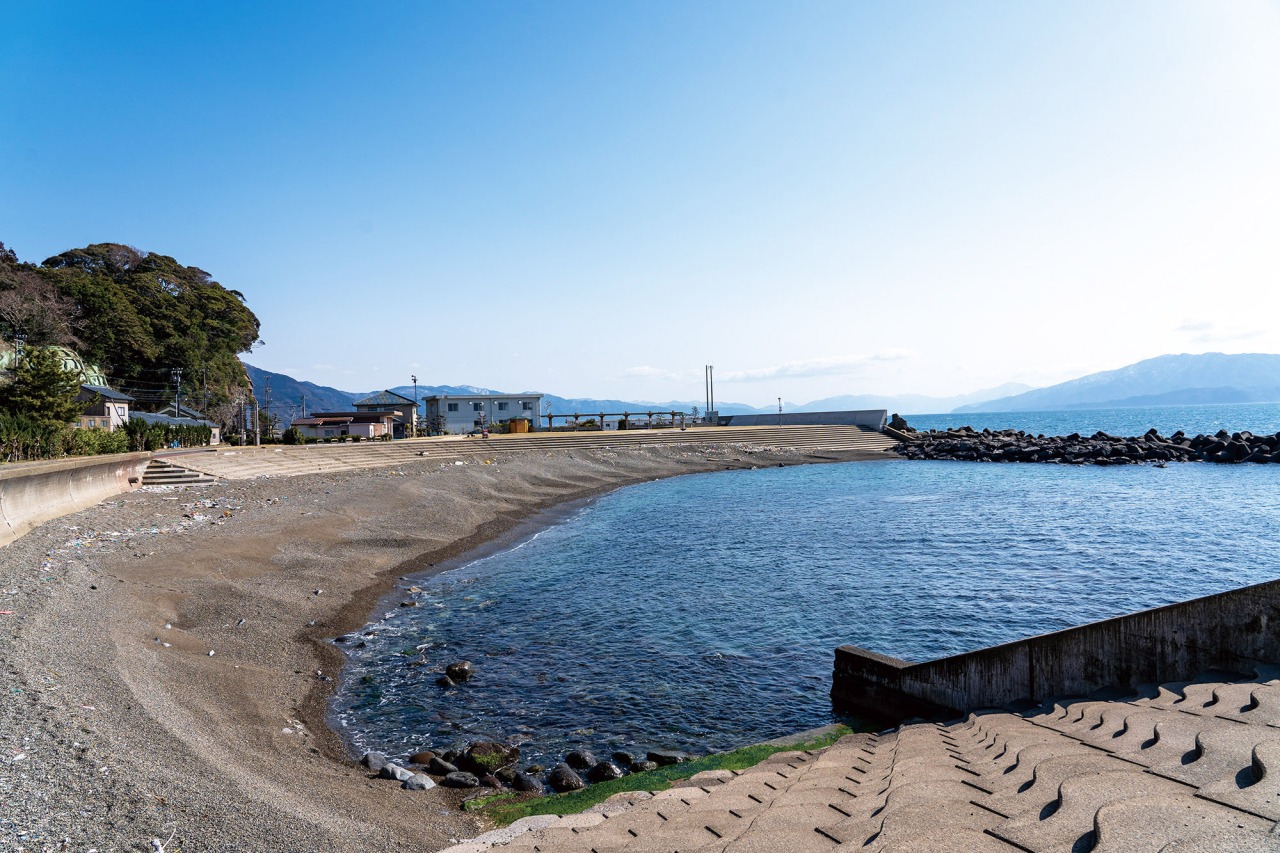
[[287, 461], [1182, 768]]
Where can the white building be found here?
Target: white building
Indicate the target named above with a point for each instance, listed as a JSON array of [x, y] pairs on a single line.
[[462, 413]]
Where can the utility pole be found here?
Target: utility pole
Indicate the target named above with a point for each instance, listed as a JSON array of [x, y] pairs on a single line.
[[414, 377], [779, 411], [268, 393], [707, 386], [177, 403], [257, 423], [304, 405], [711, 376]]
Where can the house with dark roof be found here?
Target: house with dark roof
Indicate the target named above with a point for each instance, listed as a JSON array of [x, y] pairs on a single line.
[[104, 408], [402, 407]]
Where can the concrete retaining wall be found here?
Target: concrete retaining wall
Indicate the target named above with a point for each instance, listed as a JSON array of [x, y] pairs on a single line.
[[33, 493], [1236, 631], [871, 418]]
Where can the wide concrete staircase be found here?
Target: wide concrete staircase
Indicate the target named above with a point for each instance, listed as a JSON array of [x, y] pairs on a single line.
[[1183, 768], [160, 472], [283, 461]]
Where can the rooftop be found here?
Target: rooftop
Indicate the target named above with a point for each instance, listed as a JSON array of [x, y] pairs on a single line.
[[384, 398]]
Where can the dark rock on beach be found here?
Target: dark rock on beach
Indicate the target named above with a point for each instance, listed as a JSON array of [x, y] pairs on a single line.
[[461, 779], [418, 782], [375, 761], [562, 779], [622, 759], [667, 757], [396, 772], [525, 783], [437, 766], [643, 766], [423, 757]]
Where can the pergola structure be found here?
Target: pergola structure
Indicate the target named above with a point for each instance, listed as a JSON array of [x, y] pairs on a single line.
[[624, 423]]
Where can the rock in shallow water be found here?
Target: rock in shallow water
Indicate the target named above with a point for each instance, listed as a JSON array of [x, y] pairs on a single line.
[[643, 766], [525, 782], [487, 756], [562, 779], [603, 772], [666, 757], [581, 759], [460, 671]]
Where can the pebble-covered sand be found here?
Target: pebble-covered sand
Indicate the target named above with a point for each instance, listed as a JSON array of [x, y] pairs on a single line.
[[164, 663]]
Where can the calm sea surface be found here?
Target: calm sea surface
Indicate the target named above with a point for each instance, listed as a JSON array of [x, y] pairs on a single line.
[[701, 612], [1259, 418]]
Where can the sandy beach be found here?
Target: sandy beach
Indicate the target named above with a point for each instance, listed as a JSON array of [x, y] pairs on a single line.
[[166, 664]]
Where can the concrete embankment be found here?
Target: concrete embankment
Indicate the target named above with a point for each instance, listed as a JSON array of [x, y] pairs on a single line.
[[1233, 631], [33, 493]]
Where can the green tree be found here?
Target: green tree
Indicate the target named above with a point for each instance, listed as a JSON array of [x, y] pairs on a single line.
[[41, 390], [144, 314]]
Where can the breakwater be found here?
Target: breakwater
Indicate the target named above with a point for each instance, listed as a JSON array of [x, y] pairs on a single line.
[[1232, 631], [967, 444]]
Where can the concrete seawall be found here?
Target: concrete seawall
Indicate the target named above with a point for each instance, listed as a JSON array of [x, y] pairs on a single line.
[[1236, 631], [870, 418], [33, 493]]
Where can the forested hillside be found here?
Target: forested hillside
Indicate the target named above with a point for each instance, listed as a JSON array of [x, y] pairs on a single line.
[[137, 315]]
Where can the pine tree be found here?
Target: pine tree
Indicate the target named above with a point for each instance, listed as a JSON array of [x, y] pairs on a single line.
[[42, 390]]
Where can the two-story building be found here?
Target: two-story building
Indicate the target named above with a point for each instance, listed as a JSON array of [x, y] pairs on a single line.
[[463, 413], [104, 409], [402, 407]]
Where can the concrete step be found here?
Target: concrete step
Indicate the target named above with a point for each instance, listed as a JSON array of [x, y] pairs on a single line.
[[162, 473], [1155, 773]]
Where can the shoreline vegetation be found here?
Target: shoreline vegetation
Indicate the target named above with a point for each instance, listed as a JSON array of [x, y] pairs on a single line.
[[167, 657]]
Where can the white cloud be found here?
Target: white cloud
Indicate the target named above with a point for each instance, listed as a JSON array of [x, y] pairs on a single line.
[[1205, 332], [646, 371], [833, 366]]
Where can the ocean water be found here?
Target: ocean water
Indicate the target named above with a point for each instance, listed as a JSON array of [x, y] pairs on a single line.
[[701, 612], [1258, 418]]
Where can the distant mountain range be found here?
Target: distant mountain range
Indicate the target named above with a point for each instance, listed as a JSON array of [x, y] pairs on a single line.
[[1168, 380], [1164, 381]]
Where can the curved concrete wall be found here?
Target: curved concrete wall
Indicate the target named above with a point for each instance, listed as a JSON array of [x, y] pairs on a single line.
[[35, 492], [1237, 631]]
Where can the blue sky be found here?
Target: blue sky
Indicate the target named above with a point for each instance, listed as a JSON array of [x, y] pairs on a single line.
[[597, 199]]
